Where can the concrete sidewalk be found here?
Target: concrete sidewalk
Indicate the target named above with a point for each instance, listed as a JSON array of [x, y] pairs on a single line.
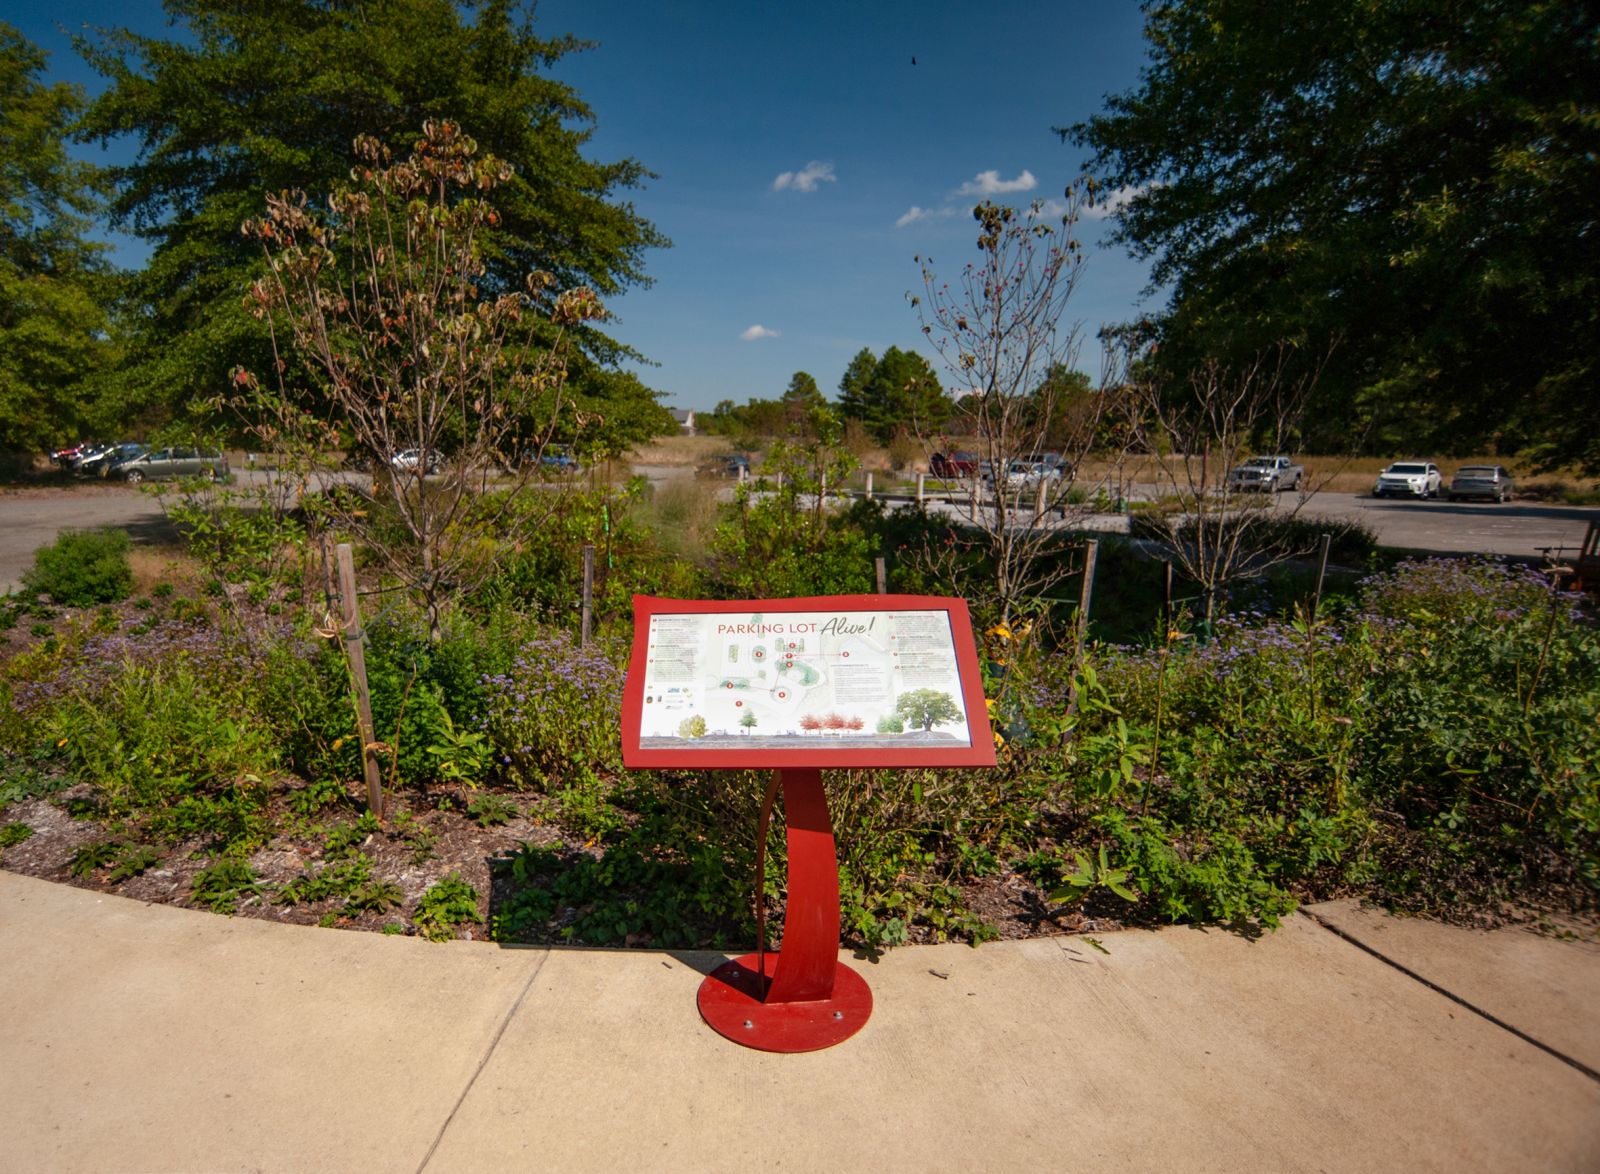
[[150, 1038]]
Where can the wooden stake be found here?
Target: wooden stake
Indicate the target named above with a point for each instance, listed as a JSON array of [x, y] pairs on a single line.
[[869, 485], [1166, 599], [921, 477], [883, 577], [1091, 551], [1322, 573], [588, 594], [355, 648]]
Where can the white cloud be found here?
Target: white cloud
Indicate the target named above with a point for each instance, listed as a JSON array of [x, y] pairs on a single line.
[[1113, 202], [989, 183], [915, 213], [806, 179], [751, 334]]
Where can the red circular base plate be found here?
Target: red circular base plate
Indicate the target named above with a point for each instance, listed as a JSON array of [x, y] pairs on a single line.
[[730, 1002]]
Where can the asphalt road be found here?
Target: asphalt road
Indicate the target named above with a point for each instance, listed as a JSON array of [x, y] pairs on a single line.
[[31, 518]]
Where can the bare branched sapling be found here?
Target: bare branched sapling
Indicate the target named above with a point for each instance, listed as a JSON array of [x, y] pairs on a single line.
[[1003, 334], [402, 352]]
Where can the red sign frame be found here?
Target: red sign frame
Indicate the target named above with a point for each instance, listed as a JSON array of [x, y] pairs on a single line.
[[979, 752]]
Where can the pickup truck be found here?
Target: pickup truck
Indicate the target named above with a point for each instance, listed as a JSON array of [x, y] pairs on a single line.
[[1266, 474]]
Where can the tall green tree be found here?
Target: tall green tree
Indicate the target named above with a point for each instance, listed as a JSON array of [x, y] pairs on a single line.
[[853, 384], [54, 282], [1409, 184], [266, 95], [898, 392]]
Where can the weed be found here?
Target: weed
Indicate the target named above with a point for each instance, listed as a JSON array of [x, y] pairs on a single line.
[[1090, 874], [491, 809], [12, 834], [346, 840], [134, 860], [448, 904], [94, 855], [221, 887]]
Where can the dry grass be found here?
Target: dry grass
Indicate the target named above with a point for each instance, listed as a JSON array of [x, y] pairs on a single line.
[[682, 513], [681, 451], [153, 565]]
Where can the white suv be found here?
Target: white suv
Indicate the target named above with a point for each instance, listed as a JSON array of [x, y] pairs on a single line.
[[1409, 479]]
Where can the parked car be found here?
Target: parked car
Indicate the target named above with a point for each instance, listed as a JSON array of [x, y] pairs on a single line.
[[1491, 481], [1409, 479], [65, 456], [560, 458], [1021, 475], [407, 460], [164, 463], [1266, 475], [954, 466], [736, 467], [103, 462]]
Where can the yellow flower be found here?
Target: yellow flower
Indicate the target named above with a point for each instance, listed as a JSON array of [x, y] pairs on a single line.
[[63, 742], [999, 739], [1000, 630], [988, 703]]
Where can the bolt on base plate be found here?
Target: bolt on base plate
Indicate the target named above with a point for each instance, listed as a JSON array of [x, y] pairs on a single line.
[[730, 1003]]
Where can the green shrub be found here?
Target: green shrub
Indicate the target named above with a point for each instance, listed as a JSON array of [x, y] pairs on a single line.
[[82, 568], [555, 715], [165, 744]]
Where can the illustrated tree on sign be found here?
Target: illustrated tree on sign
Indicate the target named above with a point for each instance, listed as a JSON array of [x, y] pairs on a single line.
[[810, 723], [748, 721], [692, 727], [1002, 332], [380, 300], [927, 708]]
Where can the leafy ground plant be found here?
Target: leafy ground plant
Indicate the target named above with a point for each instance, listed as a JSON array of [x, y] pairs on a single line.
[[221, 887], [447, 905]]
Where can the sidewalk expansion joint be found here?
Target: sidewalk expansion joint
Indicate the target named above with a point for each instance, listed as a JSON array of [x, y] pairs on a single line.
[[483, 1061], [1453, 997]]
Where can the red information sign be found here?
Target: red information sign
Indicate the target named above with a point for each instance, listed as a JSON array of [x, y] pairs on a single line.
[[797, 685], [827, 681]]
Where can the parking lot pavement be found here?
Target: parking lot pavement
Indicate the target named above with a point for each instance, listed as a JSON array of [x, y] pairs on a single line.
[[32, 518], [1521, 529]]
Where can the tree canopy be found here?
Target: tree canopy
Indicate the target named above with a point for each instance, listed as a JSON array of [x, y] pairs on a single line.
[[268, 95], [1407, 185], [897, 391], [53, 280]]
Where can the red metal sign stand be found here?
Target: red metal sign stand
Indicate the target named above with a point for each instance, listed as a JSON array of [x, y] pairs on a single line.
[[802, 998]]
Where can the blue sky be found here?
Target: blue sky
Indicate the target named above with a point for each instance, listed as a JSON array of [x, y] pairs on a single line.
[[803, 161]]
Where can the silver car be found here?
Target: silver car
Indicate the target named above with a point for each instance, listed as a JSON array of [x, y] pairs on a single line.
[[165, 463], [1491, 481]]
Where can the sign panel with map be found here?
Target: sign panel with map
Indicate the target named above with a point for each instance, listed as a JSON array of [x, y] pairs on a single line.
[[846, 680]]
